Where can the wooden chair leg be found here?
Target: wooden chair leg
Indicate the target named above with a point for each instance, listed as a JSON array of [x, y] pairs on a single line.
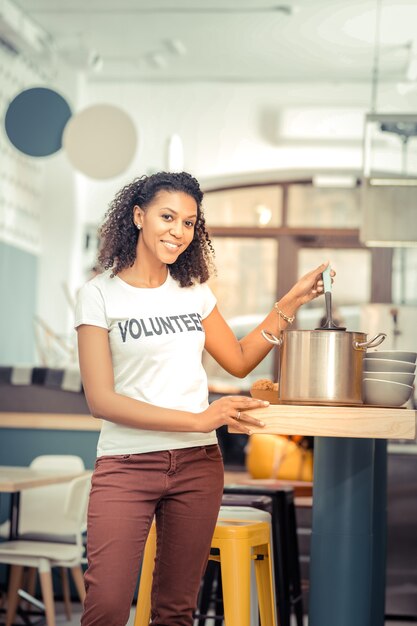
[[66, 594], [48, 597], [143, 605], [15, 581], [30, 584], [78, 576]]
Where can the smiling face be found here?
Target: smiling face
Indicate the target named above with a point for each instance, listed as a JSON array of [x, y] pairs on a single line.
[[167, 225]]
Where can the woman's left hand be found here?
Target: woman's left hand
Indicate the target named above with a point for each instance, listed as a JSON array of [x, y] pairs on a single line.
[[309, 286]]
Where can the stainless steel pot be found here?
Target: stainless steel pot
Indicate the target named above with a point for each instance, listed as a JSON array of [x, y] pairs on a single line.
[[322, 366]]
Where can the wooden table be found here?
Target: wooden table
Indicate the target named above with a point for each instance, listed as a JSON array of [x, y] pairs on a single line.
[[13, 480], [336, 421], [347, 574], [301, 488]]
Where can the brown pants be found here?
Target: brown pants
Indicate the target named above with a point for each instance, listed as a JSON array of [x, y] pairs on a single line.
[[183, 489]]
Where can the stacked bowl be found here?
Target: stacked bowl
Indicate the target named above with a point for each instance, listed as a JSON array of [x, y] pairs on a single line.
[[388, 377]]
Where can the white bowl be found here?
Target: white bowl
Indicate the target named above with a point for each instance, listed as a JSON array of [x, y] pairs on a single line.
[[405, 378], [398, 355], [387, 365], [385, 393]]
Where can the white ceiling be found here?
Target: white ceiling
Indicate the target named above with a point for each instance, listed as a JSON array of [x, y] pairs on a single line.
[[230, 40]]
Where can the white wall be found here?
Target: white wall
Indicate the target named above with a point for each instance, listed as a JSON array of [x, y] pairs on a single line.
[[226, 129], [241, 128], [61, 228], [38, 216]]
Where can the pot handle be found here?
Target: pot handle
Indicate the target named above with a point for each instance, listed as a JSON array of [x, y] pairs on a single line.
[[371, 343], [271, 338]]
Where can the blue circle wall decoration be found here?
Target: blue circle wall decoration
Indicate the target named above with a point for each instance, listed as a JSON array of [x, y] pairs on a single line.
[[35, 121]]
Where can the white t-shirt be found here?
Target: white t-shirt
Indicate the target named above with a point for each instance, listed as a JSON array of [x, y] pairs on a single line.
[[156, 341]]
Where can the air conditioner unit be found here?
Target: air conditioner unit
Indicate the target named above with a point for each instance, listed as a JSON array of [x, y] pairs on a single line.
[[20, 34]]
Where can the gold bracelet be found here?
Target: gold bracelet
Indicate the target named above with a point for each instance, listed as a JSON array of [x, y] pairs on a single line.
[[286, 318]]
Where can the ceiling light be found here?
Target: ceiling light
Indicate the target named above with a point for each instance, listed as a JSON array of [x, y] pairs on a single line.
[[176, 46], [175, 154], [264, 214], [79, 56], [412, 69], [157, 59], [411, 72], [388, 208], [333, 180], [388, 137], [405, 88], [95, 61]]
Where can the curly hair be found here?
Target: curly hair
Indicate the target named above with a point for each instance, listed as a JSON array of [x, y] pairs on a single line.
[[119, 236]]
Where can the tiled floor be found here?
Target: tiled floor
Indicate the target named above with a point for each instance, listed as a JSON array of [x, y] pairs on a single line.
[[76, 619], [76, 616]]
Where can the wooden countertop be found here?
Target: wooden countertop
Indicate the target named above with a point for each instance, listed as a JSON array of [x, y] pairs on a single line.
[[50, 421], [322, 421], [336, 421]]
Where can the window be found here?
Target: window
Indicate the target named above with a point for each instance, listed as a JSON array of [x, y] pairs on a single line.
[[352, 287], [318, 207], [245, 290], [404, 276], [246, 281], [267, 235], [249, 206]]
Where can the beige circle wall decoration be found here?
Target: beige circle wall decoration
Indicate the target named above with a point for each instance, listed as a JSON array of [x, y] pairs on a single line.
[[100, 141]]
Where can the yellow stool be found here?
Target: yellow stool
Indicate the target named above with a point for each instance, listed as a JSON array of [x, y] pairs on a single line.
[[238, 543]]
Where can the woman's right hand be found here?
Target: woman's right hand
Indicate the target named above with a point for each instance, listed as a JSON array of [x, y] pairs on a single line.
[[230, 411], [308, 287]]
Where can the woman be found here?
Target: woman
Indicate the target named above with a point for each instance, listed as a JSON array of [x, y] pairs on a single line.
[[142, 326]]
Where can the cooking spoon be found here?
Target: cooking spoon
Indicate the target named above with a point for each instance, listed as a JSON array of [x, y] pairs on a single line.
[[328, 324]]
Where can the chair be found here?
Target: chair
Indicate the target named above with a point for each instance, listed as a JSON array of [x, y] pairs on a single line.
[[40, 516], [211, 588], [238, 543], [285, 544], [47, 554]]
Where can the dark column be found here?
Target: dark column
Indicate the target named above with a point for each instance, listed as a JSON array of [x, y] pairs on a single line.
[[341, 551], [379, 554]]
